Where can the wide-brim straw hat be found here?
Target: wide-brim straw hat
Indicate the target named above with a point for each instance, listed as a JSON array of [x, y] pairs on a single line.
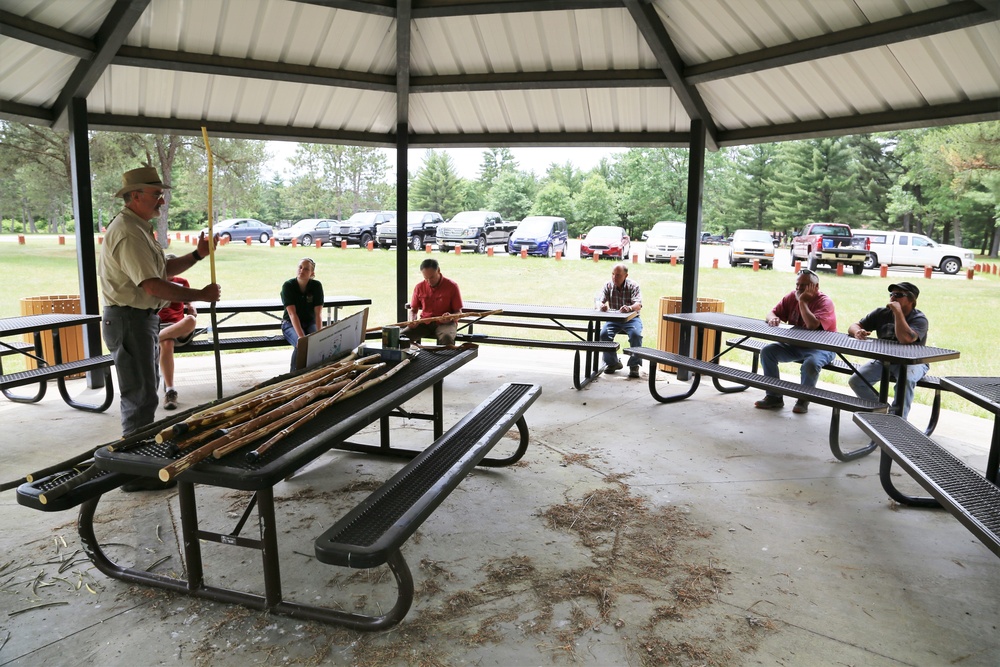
[[137, 179]]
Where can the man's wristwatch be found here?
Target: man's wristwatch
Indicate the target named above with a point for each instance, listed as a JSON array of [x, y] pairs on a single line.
[[197, 257]]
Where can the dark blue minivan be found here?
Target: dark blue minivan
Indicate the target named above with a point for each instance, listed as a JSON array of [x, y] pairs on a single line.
[[541, 234]]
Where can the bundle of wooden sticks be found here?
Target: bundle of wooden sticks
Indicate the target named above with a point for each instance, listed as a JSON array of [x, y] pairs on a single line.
[[272, 412]]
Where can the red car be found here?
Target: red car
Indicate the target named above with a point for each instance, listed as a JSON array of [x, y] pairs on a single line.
[[607, 240]]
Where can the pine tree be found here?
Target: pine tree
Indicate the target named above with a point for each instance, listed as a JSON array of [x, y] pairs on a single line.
[[815, 183], [437, 186]]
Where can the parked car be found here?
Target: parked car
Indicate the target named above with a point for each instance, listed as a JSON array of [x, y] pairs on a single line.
[[750, 244], [830, 243], [608, 240], [421, 228], [360, 227], [308, 231], [540, 235], [664, 241], [906, 249], [240, 229], [474, 229]]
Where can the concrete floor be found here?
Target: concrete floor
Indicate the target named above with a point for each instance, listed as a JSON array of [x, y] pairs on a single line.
[[807, 561]]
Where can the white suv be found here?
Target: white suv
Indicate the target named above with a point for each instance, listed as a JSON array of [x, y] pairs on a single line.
[[906, 249]]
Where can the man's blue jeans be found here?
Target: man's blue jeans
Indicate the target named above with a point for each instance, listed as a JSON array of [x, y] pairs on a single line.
[[288, 331], [812, 361], [872, 371], [632, 329]]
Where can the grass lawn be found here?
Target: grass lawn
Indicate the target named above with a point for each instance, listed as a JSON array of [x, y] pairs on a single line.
[[961, 312]]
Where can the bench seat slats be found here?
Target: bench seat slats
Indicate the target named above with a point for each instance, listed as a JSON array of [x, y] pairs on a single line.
[[19, 379], [233, 343], [376, 528], [822, 396], [963, 491]]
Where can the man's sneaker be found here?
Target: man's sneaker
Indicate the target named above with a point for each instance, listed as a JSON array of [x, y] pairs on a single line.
[[633, 371], [770, 403], [170, 400], [801, 407], [613, 367]]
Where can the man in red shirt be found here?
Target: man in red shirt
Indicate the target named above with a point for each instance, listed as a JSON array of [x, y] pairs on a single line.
[[434, 296], [805, 307]]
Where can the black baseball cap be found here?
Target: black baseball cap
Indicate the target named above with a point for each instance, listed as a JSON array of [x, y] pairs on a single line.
[[909, 288]]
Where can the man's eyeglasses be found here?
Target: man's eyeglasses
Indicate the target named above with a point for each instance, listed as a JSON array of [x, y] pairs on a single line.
[[807, 272], [157, 195], [898, 295]]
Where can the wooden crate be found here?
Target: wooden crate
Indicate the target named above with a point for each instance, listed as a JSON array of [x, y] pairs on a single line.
[[670, 332], [71, 338]]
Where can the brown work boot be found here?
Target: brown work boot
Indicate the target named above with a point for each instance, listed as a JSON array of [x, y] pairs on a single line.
[[801, 407], [770, 403]]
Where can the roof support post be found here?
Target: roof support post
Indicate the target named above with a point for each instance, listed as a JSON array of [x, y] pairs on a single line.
[[403, 15], [692, 234], [83, 214]]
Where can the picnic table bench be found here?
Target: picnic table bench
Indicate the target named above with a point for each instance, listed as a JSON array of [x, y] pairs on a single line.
[[369, 535], [59, 370], [955, 486], [755, 345], [574, 321], [697, 367]]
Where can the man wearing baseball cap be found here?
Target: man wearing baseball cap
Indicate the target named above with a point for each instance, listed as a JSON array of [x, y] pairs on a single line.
[[899, 321]]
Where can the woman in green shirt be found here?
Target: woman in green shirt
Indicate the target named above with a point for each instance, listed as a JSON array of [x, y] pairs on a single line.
[[302, 297]]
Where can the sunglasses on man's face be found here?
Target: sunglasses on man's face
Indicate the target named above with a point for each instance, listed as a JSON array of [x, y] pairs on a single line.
[[898, 295]]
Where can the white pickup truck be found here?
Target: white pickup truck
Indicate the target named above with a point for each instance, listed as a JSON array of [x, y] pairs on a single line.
[[906, 249]]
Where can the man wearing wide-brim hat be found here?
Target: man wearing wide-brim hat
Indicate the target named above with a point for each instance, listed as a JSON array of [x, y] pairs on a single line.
[[899, 321], [133, 274]]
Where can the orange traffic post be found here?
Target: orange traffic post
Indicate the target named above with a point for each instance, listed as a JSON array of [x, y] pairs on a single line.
[[295, 242], [883, 271], [798, 265], [994, 269], [343, 244], [489, 251], [100, 240], [928, 270], [756, 265], [969, 274], [249, 241], [635, 259], [177, 236], [840, 268], [597, 256], [271, 241], [715, 263], [458, 250], [319, 243], [524, 253], [62, 239], [187, 238], [428, 248], [673, 261], [558, 254], [371, 246], [20, 239]]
